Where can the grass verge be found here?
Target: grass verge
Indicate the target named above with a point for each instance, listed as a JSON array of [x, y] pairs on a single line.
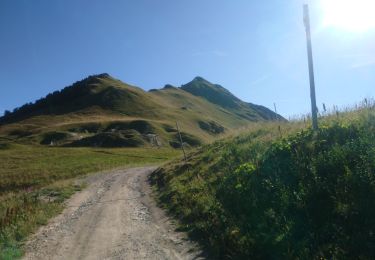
[[35, 181], [307, 195]]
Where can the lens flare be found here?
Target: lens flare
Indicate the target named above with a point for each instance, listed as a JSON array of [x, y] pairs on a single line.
[[357, 15]]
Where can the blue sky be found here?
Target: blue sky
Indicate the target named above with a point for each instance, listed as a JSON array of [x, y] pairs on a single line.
[[256, 49]]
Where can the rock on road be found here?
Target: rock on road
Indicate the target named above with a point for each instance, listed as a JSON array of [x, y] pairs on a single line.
[[113, 218]]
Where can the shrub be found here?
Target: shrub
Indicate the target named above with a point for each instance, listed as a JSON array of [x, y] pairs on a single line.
[[310, 195]]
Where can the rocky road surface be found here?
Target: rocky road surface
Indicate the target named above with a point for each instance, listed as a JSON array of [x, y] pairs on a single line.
[[115, 217]]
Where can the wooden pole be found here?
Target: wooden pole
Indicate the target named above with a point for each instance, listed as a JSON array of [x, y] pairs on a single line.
[[274, 106], [182, 145], [314, 114]]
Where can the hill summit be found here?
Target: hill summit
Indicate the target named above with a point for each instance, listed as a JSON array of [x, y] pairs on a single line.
[[102, 107], [220, 96], [211, 92]]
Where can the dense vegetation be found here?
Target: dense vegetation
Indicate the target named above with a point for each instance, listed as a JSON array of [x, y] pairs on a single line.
[[259, 196], [35, 180]]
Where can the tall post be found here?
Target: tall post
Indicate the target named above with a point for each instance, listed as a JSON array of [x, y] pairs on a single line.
[[182, 144], [314, 113], [274, 106]]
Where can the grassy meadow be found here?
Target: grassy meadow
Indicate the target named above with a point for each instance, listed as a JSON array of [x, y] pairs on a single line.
[[280, 190], [35, 180]]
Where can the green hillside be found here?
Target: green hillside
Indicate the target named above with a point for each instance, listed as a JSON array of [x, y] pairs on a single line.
[[103, 111], [280, 191], [97, 123], [220, 96]]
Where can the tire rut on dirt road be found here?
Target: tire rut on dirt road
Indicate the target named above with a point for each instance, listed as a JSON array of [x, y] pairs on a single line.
[[115, 217]]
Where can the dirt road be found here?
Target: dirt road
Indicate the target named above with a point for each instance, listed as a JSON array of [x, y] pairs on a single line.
[[113, 218]]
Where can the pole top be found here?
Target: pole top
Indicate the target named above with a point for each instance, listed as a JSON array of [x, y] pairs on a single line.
[[306, 18]]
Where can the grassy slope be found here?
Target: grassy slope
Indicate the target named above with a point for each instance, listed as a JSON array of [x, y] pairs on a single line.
[[23, 166], [220, 96], [105, 99], [258, 195], [35, 180], [196, 109]]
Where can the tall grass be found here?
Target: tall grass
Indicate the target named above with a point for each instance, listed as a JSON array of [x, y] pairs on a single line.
[[301, 195]]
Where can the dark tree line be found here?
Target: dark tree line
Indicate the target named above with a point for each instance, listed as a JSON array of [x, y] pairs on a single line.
[[51, 103]]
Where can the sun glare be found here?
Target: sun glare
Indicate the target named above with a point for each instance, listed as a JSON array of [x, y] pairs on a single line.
[[357, 15]]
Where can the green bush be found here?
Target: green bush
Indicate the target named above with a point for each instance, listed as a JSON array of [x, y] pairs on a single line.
[[310, 195]]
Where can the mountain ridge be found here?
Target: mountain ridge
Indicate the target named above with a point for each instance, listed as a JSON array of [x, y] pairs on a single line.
[[221, 96], [216, 94], [204, 111]]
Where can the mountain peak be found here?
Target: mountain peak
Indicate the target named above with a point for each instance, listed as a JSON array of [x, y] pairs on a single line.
[[198, 78], [102, 75], [97, 76], [211, 92], [219, 95]]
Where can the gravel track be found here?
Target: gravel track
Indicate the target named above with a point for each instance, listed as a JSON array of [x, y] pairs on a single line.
[[115, 217]]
